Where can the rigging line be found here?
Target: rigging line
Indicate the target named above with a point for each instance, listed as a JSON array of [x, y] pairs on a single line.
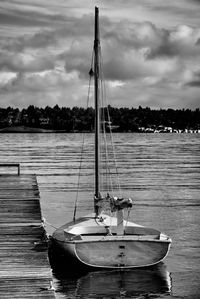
[[78, 184], [106, 151], [129, 210], [105, 104], [114, 153], [83, 142], [101, 135], [107, 163], [107, 168], [112, 142], [103, 153]]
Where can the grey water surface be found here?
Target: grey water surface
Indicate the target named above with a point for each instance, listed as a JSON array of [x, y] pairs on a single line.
[[160, 172]]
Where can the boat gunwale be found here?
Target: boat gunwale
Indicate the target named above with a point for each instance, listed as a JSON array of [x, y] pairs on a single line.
[[168, 240]]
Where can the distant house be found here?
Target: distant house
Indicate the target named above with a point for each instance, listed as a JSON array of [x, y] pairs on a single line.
[[44, 120], [25, 118], [10, 118], [17, 119]]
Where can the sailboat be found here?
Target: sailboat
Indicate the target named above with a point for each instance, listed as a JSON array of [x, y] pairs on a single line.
[[102, 239]]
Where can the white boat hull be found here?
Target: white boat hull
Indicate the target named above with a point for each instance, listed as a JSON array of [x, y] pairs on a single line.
[[96, 249], [118, 254]]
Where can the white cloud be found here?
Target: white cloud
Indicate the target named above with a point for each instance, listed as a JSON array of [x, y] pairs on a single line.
[[45, 88], [5, 77]]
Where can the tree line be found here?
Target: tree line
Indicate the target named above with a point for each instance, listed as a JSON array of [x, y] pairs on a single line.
[[78, 119]]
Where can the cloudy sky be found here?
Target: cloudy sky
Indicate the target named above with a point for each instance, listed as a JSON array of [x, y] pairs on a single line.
[[151, 52]]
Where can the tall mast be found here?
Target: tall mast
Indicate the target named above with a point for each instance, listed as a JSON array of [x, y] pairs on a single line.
[[97, 117]]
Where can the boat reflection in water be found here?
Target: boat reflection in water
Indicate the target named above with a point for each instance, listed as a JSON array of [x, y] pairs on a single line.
[[78, 283]]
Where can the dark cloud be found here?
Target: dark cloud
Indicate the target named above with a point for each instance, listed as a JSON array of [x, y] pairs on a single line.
[[121, 43], [195, 80], [19, 63], [22, 19], [9, 19], [118, 69], [72, 29], [130, 51], [194, 83], [29, 18], [38, 40], [78, 57], [24, 82], [158, 42]]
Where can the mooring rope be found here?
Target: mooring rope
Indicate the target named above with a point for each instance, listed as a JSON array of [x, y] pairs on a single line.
[[46, 222]]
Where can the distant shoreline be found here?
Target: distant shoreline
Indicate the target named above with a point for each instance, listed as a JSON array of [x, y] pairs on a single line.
[[24, 129], [77, 119]]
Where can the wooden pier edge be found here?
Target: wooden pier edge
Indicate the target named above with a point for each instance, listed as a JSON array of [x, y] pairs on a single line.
[[25, 271]]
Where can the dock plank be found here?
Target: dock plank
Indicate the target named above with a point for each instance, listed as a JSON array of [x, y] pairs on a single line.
[[24, 268]]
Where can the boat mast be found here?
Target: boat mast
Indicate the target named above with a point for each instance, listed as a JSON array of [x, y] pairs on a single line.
[[97, 116]]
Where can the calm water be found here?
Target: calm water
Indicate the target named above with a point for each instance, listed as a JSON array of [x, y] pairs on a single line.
[[160, 172]]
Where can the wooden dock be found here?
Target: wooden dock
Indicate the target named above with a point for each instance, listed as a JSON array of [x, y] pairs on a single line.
[[24, 268]]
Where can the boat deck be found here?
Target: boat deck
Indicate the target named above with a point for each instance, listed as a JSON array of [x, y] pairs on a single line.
[[25, 271]]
